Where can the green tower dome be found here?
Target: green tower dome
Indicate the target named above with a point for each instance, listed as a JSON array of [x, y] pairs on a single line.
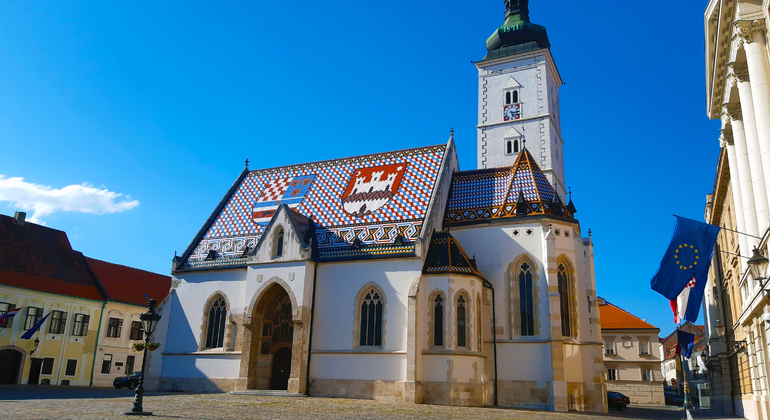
[[518, 34]]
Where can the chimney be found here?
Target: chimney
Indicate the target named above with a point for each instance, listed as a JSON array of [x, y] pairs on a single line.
[[20, 216]]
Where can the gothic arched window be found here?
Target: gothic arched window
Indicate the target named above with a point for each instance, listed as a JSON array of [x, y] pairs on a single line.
[[215, 330], [564, 298], [438, 321], [371, 319], [526, 304], [279, 243], [480, 344], [462, 325]]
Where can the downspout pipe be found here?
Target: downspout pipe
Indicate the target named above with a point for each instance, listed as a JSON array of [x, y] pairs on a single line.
[[488, 285], [310, 334], [96, 346]]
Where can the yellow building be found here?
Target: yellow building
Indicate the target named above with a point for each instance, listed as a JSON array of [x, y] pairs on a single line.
[[42, 275]]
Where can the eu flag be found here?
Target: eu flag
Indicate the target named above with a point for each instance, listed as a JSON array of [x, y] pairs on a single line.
[[686, 262], [685, 341]]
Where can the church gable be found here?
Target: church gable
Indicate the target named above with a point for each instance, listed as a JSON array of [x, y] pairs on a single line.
[[286, 238], [360, 206]]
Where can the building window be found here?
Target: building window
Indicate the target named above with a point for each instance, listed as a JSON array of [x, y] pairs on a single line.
[[47, 366], [80, 326], [564, 298], [107, 363], [130, 364], [511, 97], [609, 347], [371, 319], [646, 375], [278, 243], [462, 325], [644, 347], [137, 331], [58, 322], [612, 374], [215, 331], [509, 148], [72, 367], [438, 321], [4, 308], [526, 304], [480, 344], [34, 315], [114, 327]]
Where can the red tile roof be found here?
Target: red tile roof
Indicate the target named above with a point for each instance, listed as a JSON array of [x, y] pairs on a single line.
[[614, 318], [39, 258], [126, 284]]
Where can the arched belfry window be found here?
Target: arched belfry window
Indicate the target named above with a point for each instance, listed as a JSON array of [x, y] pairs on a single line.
[[507, 98], [526, 300], [462, 324], [515, 96], [215, 330], [515, 146], [564, 298], [371, 319], [509, 148], [279, 243], [438, 321]]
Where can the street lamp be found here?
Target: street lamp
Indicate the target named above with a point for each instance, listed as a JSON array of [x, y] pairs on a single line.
[[150, 321], [757, 265]]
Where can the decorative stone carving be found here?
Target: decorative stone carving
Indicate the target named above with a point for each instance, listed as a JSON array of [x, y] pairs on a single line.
[[739, 71], [733, 112], [745, 29]]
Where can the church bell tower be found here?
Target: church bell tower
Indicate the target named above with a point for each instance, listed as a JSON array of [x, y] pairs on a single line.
[[519, 97]]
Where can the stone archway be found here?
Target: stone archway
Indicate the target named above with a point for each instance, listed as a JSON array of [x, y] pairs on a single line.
[[11, 363], [272, 332]]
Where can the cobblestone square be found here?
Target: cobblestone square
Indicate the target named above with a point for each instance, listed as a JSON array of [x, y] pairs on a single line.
[[98, 403]]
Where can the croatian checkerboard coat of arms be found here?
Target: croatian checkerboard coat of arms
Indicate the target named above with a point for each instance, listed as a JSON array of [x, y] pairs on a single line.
[[369, 189], [290, 191]]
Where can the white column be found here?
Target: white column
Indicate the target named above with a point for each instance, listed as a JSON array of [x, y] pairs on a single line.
[[744, 176], [728, 143], [752, 33], [757, 221]]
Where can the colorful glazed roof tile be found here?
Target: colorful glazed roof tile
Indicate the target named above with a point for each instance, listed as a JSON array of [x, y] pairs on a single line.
[[39, 258], [489, 194], [614, 318], [127, 284], [446, 256], [374, 198]]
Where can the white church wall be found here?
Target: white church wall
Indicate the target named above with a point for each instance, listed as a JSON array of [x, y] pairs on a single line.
[[524, 361], [193, 293], [210, 366], [360, 367]]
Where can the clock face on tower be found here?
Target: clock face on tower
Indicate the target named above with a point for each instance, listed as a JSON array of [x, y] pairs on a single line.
[[512, 112]]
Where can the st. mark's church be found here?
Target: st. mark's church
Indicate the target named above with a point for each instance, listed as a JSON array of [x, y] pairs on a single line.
[[396, 276]]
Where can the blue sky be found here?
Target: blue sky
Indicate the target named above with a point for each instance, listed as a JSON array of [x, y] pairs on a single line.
[[162, 103]]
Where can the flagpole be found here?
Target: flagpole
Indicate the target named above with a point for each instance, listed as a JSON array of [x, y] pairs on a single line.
[[723, 228], [687, 403]]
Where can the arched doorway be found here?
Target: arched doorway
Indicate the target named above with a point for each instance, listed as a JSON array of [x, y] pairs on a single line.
[[271, 340], [10, 363], [279, 378]]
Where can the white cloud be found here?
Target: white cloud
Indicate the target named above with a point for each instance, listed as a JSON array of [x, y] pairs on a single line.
[[44, 201]]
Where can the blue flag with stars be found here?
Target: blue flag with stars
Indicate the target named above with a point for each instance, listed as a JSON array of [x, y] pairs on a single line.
[[687, 259]]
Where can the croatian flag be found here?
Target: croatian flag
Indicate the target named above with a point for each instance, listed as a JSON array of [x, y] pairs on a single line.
[[9, 315], [290, 191], [681, 305]]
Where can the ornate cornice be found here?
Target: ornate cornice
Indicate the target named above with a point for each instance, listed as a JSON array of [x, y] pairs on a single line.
[[745, 28], [739, 71]]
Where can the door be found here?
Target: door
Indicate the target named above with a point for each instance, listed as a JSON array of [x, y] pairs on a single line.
[[34, 371], [10, 362], [281, 369]]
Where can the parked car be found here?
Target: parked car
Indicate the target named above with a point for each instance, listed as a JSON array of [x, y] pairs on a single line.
[[617, 400], [673, 398], [131, 381]]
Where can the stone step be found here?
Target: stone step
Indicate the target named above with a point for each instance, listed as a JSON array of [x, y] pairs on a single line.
[[266, 393]]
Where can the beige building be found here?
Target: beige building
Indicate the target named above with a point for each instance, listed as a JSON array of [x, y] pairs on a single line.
[[121, 327], [631, 355], [737, 308]]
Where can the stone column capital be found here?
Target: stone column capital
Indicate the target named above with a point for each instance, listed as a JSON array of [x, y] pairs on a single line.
[[739, 72], [733, 112], [746, 28], [726, 139]]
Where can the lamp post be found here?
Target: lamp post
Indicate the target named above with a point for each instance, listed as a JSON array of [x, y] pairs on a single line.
[[757, 266], [150, 321]]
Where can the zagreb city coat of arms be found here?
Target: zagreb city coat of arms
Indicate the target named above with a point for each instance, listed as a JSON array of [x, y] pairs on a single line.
[[371, 188]]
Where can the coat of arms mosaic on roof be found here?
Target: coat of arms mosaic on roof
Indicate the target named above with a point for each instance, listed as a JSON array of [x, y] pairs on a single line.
[[374, 198]]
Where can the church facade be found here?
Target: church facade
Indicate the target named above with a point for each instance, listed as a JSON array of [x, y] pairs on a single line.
[[396, 276]]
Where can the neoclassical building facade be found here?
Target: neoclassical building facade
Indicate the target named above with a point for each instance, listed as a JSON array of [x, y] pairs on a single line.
[[737, 308], [396, 275]]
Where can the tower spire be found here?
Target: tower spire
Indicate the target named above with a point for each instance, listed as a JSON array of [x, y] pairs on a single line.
[[517, 32], [516, 10]]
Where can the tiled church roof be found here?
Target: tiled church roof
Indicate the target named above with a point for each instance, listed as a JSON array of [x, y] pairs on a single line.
[[498, 193], [375, 198], [446, 256]]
